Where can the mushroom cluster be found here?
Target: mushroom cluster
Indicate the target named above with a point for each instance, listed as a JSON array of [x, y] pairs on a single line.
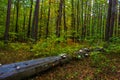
[[84, 52]]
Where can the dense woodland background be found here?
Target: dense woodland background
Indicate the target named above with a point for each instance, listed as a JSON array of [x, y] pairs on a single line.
[[63, 19], [31, 29]]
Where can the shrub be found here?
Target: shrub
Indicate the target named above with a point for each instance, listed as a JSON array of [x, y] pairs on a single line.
[[52, 47], [2, 45], [115, 39], [18, 46]]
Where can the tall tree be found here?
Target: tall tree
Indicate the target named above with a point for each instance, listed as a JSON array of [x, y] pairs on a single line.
[[110, 19], [118, 32], [6, 33], [58, 22], [113, 14], [82, 19], [17, 15], [47, 27], [78, 16], [41, 17], [64, 18], [30, 17], [35, 21], [73, 20]]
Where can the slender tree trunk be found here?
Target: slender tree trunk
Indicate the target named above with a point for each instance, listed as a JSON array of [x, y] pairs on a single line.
[[24, 21], [113, 14], [24, 17], [118, 32], [73, 20], [110, 19], [6, 34], [30, 17], [64, 18], [78, 16], [119, 14], [13, 17], [85, 22], [58, 22], [41, 18], [35, 21], [47, 27], [17, 16], [82, 16]]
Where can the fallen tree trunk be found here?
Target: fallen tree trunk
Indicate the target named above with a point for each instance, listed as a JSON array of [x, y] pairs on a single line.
[[21, 70]]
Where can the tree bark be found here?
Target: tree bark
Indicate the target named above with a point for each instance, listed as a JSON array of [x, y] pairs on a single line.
[[113, 14], [110, 19], [73, 20], [17, 15], [47, 27], [58, 22], [23, 70], [6, 33], [64, 18], [30, 17], [35, 21]]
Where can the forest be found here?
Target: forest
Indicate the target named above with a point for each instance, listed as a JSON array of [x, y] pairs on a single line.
[[34, 29]]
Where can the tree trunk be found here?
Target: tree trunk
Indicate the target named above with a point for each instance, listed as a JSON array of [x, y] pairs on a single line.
[[26, 69], [6, 34], [110, 19], [41, 18], [30, 17], [113, 14], [17, 15], [35, 21], [64, 18], [73, 20], [82, 16], [58, 22], [47, 27], [78, 16]]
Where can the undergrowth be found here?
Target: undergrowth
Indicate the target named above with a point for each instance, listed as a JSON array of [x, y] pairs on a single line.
[[52, 48], [101, 63]]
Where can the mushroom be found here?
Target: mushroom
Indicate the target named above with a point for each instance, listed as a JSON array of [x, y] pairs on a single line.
[[18, 67]]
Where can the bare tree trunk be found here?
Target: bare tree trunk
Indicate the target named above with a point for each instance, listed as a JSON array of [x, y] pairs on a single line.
[[118, 32], [13, 17], [64, 18], [17, 15], [24, 21], [73, 20], [113, 14], [30, 17], [58, 22], [82, 20], [78, 18], [6, 34], [35, 21], [47, 27], [41, 18], [110, 19]]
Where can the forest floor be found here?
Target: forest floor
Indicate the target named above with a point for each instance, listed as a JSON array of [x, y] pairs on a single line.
[[81, 70]]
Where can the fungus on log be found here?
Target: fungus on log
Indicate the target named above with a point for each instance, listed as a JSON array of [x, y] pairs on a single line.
[[82, 53]]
